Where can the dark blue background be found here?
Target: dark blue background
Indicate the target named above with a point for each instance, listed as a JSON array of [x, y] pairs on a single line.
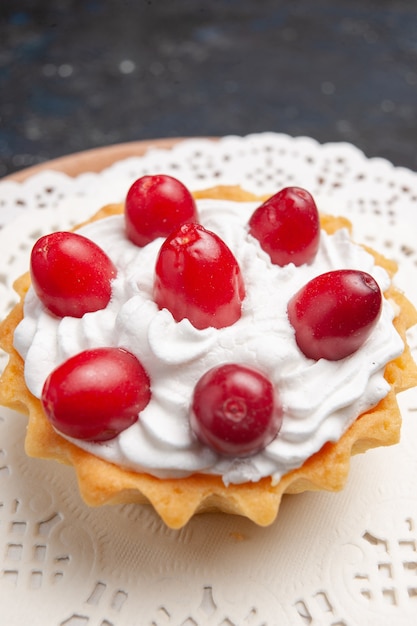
[[79, 74]]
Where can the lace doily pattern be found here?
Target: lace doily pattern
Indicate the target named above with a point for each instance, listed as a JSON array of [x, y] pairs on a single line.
[[330, 559]]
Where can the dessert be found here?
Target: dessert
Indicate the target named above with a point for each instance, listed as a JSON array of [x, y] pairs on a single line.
[[206, 338]]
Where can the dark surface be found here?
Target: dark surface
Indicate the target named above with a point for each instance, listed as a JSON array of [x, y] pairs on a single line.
[[79, 74]]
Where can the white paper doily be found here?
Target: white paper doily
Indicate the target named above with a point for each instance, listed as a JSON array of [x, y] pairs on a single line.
[[347, 559]]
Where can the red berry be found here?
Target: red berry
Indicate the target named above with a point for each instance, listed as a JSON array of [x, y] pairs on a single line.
[[71, 275], [235, 410], [96, 394], [334, 313], [287, 226], [198, 278], [155, 206]]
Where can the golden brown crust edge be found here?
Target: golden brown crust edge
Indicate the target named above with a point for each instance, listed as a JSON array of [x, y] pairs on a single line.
[[177, 500]]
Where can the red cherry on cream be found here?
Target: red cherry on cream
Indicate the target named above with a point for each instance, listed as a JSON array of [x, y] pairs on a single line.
[[287, 226], [155, 206], [71, 274], [334, 313], [96, 394], [197, 277], [235, 410]]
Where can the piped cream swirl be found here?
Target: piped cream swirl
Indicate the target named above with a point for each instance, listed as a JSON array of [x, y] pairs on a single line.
[[176, 355]]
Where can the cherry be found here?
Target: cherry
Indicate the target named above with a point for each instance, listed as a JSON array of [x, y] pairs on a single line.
[[334, 313], [71, 275], [155, 206], [287, 226], [198, 278], [96, 394], [235, 410]]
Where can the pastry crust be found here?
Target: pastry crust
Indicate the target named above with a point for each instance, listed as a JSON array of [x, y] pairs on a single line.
[[177, 500]]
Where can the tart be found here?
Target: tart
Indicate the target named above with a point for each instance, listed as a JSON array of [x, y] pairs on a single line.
[[223, 474]]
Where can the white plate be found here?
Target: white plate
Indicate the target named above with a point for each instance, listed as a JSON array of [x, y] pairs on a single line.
[[342, 559]]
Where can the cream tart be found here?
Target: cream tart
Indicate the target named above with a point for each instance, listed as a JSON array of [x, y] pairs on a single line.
[[158, 441]]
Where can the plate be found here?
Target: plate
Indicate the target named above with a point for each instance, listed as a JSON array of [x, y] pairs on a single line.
[[329, 559], [94, 160]]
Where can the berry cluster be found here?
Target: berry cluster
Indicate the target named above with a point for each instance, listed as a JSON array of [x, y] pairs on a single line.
[[234, 409]]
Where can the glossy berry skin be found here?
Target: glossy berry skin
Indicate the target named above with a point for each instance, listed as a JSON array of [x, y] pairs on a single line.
[[287, 226], [334, 313], [96, 394], [235, 410], [155, 206], [198, 278], [71, 275]]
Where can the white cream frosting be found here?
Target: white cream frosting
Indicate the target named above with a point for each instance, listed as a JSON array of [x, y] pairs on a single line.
[[320, 398]]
